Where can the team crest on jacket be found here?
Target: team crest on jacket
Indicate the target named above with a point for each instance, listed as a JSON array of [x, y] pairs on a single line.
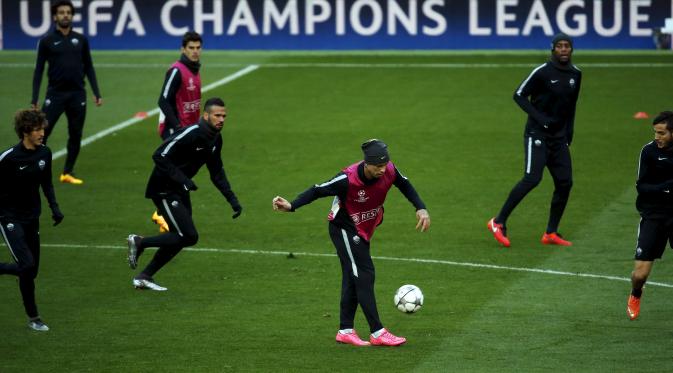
[[74, 41], [41, 164], [356, 240], [174, 203], [10, 227], [572, 82], [362, 196]]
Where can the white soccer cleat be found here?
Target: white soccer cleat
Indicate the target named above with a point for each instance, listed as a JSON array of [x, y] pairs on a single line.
[[38, 325], [141, 283]]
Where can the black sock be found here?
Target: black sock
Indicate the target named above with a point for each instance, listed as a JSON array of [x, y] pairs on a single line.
[[637, 292]]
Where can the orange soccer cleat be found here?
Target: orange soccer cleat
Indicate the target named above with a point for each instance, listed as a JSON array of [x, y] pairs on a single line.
[[633, 307], [554, 239], [498, 232]]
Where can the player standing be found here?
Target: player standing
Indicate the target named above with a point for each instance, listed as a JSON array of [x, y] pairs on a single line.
[[180, 98], [553, 88], [69, 58]]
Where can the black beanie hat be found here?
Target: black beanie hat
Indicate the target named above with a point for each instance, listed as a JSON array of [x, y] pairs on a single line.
[[561, 36], [375, 152]]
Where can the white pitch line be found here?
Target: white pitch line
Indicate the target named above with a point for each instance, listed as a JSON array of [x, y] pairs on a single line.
[[120, 126], [412, 260]]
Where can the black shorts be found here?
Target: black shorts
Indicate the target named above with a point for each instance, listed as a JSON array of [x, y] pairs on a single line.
[[652, 237]]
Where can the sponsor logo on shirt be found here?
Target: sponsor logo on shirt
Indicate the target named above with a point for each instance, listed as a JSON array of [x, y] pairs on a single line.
[[363, 216], [190, 107]]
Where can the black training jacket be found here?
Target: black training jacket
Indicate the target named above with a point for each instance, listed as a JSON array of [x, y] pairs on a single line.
[[655, 181], [553, 90], [181, 156], [23, 172], [69, 61]]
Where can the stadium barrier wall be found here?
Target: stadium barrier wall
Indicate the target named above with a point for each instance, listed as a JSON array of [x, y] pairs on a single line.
[[345, 24]]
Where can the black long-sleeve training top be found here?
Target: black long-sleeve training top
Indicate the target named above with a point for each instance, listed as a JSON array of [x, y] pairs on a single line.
[[172, 83], [655, 181], [23, 172], [553, 89], [69, 61], [181, 156], [339, 187]]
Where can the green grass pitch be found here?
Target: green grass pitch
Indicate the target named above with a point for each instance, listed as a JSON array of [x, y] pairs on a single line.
[[452, 128]]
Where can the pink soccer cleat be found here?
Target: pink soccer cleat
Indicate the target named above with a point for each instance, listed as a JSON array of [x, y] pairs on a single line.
[[351, 338], [386, 339]]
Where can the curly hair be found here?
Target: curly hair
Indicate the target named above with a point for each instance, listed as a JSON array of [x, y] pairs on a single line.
[[29, 120]]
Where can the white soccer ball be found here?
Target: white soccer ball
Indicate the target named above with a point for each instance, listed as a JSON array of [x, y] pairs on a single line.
[[409, 298]]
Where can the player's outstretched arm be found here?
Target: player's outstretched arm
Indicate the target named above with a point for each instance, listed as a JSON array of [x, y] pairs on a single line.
[[422, 220], [281, 204]]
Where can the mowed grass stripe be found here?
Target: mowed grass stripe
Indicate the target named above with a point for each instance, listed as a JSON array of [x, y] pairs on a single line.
[[388, 258], [606, 65]]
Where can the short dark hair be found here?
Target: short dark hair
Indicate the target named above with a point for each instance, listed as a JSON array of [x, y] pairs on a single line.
[[664, 117], [191, 36], [29, 120], [213, 101], [55, 5]]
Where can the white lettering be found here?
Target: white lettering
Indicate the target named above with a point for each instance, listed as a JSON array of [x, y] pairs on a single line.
[[25, 23], [502, 18], [200, 17], [130, 18], [95, 16], [77, 18], [537, 18], [312, 17], [377, 17], [598, 18], [340, 22], [474, 20], [243, 17], [429, 12], [166, 18], [273, 15], [409, 21], [636, 18], [580, 19]]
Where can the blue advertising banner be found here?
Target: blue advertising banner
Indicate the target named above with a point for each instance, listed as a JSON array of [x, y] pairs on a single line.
[[345, 24]]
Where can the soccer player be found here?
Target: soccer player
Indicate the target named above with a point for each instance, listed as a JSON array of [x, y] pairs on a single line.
[[180, 98], [176, 162], [655, 205], [25, 168], [69, 58], [549, 96], [360, 190]]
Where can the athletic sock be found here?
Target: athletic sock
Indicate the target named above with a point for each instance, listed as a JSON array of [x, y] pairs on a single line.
[[378, 333], [637, 292]]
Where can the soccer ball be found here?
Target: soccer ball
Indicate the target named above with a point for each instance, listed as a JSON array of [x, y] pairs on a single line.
[[409, 298]]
